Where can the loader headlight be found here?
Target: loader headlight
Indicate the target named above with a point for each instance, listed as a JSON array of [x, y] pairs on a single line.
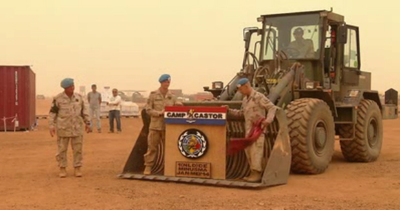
[[217, 85], [310, 85]]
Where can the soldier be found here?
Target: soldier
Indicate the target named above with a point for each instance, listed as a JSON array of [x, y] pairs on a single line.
[[67, 116], [304, 47], [155, 108], [253, 108]]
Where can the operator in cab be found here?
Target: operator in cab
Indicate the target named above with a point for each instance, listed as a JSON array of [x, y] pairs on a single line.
[[300, 47]]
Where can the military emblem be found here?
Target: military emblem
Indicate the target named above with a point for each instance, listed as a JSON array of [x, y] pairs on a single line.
[[190, 114], [192, 143]]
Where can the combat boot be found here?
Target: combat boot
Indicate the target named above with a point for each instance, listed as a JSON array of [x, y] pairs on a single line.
[[255, 176], [78, 172], [63, 172], [147, 170]]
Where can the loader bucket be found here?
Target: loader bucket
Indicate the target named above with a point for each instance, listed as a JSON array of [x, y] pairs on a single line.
[[277, 159], [135, 162], [278, 166]]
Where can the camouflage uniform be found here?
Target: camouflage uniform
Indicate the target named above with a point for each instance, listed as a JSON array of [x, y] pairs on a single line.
[[305, 48], [253, 108], [69, 116], [155, 107]]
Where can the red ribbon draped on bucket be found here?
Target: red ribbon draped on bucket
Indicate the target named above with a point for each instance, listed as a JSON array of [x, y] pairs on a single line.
[[238, 144]]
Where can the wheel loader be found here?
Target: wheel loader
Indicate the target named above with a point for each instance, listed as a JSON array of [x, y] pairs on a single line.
[[309, 65]]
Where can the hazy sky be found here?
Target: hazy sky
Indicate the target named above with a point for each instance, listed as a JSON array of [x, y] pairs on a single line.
[[128, 44]]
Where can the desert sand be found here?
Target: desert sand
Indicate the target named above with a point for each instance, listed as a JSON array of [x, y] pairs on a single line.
[[29, 179]]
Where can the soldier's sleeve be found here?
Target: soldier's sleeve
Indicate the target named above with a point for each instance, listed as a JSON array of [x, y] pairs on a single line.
[[53, 113], [150, 107], [85, 114], [269, 106], [236, 112]]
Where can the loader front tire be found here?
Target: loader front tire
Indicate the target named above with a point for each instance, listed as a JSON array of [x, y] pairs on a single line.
[[367, 144], [312, 135]]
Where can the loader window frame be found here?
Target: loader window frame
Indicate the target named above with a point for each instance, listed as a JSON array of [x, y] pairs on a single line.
[[278, 34], [271, 44], [255, 44], [349, 49]]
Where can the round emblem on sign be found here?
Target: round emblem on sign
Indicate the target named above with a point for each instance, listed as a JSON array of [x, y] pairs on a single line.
[[192, 143]]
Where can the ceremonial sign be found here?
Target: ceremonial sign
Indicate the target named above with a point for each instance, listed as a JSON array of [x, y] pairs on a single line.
[[195, 115], [195, 142], [193, 169]]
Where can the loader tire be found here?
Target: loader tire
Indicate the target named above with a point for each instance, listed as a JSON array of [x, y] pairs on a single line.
[[312, 135], [367, 144]]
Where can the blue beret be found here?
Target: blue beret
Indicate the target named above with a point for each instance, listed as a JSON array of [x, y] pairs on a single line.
[[164, 77], [242, 81], [67, 82]]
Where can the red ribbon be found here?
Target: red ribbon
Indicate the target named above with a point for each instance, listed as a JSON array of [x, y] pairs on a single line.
[[238, 144]]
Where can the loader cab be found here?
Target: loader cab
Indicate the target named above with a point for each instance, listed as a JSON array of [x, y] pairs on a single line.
[[298, 35], [292, 37], [320, 40]]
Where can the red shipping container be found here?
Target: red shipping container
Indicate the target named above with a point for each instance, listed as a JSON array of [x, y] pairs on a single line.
[[17, 98]]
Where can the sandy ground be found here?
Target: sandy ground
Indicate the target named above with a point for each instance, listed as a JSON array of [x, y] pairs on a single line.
[[28, 179]]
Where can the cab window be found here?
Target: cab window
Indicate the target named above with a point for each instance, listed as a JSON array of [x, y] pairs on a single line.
[[351, 53]]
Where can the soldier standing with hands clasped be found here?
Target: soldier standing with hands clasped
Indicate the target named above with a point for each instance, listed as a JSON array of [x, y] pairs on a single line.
[[155, 107], [254, 107], [67, 117]]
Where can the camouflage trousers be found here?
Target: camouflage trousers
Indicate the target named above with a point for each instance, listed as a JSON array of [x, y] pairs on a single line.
[[155, 138], [76, 144], [255, 154]]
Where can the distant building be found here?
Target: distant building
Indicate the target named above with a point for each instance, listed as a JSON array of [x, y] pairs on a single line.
[[391, 96], [106, 94], [41, 97], [176, 92], [202, 96], [138, 97]]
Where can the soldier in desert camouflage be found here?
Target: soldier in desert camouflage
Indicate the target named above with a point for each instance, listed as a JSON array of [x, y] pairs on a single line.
[[155, 107], [254, 107], [68, 116]]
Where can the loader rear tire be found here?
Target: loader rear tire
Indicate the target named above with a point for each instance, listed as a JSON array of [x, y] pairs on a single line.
[[312, 135], [367, 144]]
